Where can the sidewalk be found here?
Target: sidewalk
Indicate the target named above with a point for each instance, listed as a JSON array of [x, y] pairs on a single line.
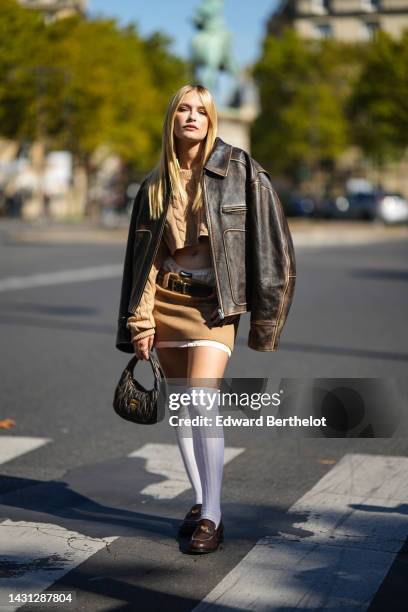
[[305, 232], [321, 232]]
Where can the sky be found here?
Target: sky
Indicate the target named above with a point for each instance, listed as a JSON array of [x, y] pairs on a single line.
[[245, 19]]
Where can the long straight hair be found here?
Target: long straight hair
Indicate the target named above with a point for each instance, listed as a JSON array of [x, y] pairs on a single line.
[[169, 164]]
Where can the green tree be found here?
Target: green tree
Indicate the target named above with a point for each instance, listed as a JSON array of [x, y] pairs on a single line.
[[113, 93], [378, 106], [80, 83], [303, 88], [22, 40]]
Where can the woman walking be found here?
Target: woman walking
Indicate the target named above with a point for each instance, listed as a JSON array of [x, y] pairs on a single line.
[[208, 241]]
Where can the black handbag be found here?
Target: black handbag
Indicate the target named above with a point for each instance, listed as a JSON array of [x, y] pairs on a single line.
[[133, 402]]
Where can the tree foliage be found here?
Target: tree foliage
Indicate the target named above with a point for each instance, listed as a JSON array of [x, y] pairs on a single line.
[[79, 83], [21, 45], [318, 97], [378, 106]]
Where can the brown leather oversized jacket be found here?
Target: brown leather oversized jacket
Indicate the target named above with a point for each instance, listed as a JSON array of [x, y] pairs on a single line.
[[251, 247]]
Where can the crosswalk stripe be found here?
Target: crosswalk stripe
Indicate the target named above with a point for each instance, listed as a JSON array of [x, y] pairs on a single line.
[[14, 446], [344, 535], [35, 555], [61, 277], [165, 460]]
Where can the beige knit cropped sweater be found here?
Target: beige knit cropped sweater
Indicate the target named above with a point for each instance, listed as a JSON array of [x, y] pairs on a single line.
[[182, 228]]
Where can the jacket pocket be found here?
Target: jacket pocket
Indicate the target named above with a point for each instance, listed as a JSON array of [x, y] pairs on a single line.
[[235, 253], [233, 208]]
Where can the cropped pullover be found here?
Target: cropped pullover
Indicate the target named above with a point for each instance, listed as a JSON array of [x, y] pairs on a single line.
[[182, 228]]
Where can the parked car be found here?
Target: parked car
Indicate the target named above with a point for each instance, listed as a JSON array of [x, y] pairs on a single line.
[[392, 208], [300, 206], [352, 206], [386, 207]]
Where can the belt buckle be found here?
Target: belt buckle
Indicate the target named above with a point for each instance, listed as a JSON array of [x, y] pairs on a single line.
[[181, 284], [185, 285], [178, 282]]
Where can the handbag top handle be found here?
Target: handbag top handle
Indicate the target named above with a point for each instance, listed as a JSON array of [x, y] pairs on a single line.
[[156, 367]]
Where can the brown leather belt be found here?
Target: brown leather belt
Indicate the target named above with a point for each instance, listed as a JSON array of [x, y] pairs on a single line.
[[173, 281]]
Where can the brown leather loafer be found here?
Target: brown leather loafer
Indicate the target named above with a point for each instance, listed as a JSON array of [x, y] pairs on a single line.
[[206, 537], [190, 521]]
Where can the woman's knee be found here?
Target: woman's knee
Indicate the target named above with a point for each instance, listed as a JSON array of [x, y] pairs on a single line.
[[206, 365], [174, 362]]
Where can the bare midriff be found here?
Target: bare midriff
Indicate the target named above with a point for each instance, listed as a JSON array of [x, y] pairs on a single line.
[[194, 257]]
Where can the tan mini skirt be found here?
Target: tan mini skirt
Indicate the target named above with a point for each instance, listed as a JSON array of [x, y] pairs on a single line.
[[183, 320]]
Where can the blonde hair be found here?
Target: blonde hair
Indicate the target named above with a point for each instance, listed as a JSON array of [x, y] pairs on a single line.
[[168, 159]]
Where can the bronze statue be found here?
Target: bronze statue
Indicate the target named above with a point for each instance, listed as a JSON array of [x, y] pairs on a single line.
[[212, 44]]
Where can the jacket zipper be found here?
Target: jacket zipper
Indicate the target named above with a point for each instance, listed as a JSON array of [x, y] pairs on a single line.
[[155, 251], [221, 309]]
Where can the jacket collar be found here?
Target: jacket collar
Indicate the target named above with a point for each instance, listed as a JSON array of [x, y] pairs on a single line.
[[219, 158]]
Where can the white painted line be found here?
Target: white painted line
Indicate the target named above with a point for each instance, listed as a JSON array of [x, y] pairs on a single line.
[[35, 555], [165, 460], [336, 557], [14, 446], [62, 277]]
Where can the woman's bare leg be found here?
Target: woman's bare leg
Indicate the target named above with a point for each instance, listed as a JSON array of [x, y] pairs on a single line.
[[174, 361], [198, 362], [206, 364]]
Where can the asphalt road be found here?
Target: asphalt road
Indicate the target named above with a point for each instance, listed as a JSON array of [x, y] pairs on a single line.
[[72, 471]]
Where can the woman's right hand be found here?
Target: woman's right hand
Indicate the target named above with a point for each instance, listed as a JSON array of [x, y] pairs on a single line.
[[143, 346]]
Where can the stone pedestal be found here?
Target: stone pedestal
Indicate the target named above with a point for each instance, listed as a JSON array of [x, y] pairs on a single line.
[[234, 125]]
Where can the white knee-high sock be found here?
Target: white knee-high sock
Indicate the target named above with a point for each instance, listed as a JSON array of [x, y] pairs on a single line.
[[209, 450], [184, 437]]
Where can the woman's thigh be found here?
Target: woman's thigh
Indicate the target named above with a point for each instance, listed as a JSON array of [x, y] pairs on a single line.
[[174, 361], [206, 366]]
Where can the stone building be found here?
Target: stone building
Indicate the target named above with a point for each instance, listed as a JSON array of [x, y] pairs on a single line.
[[56, 9], [347, 20]]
